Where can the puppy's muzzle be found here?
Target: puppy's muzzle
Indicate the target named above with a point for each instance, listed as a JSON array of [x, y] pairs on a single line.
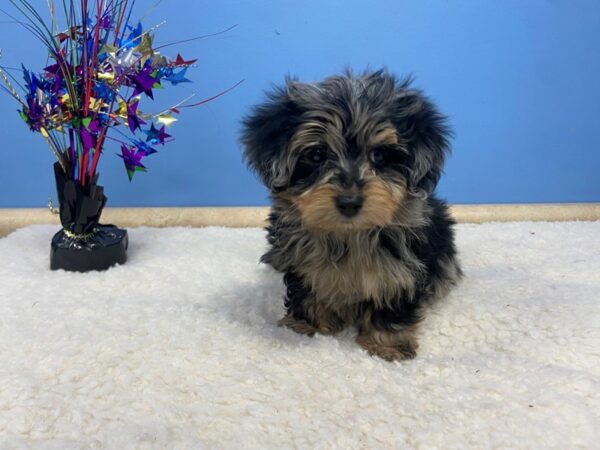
[[349, 205]]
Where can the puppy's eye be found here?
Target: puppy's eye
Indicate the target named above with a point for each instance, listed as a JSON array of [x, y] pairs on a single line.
[[310, 165], [317, 154], [379, 156], [389, 158]]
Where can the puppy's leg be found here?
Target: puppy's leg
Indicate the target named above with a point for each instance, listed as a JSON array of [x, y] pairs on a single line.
[[305, 315], [389, 333], [313, 319]]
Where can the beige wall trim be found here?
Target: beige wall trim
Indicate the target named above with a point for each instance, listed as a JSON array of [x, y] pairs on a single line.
[[11, 219]]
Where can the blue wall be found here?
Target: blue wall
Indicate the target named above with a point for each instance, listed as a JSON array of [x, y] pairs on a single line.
[[520, 80]]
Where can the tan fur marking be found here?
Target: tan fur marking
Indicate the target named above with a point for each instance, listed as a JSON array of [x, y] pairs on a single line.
[[318, 211], [327, 131], [385, 135], [381, 202], [299, 326], [391, 346], [317, 208]]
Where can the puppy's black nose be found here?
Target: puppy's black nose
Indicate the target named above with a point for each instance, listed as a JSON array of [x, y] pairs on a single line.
[[349, 204]]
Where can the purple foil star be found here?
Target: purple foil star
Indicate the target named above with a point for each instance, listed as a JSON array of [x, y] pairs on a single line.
[[132, 160], [87, 139], [144, 82], [133, 120], [34, 114], [105, 22]]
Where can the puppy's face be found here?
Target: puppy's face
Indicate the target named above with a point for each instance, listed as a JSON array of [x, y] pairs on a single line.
[[345, 174], [344, 153]]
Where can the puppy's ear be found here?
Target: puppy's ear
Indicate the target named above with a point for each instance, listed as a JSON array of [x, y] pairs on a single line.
[[427, 135], [266, 132]]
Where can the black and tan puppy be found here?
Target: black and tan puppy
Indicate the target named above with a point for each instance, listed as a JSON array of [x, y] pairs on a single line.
[[351, 163]]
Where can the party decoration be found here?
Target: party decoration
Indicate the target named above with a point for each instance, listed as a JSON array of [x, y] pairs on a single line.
[[102, 69]]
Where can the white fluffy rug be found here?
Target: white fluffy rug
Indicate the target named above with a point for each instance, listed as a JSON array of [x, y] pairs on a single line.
[[179, 349]]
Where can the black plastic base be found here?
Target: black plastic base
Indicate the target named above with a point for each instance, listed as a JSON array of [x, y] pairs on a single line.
[[101, 250]]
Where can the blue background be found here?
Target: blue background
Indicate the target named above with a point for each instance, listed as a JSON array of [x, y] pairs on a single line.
[[519, 79]]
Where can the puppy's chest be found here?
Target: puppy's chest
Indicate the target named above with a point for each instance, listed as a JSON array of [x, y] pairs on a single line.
[[355, 271]]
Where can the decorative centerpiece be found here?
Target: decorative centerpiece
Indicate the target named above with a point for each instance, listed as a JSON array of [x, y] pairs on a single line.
[[101, 67]]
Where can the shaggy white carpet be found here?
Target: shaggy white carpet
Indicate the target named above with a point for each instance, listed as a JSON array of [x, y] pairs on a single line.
[[179, 349]]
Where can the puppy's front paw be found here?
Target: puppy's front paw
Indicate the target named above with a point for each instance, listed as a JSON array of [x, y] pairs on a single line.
[[299, 326], [402, 348], [303, 327]]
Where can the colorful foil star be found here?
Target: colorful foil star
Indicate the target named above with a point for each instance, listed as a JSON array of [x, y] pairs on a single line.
[[178, 77], [155, 136], [133, 119], [102, 68], [132, 157]]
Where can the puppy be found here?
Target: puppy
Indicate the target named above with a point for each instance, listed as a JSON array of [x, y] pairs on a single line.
[[351, 164]]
